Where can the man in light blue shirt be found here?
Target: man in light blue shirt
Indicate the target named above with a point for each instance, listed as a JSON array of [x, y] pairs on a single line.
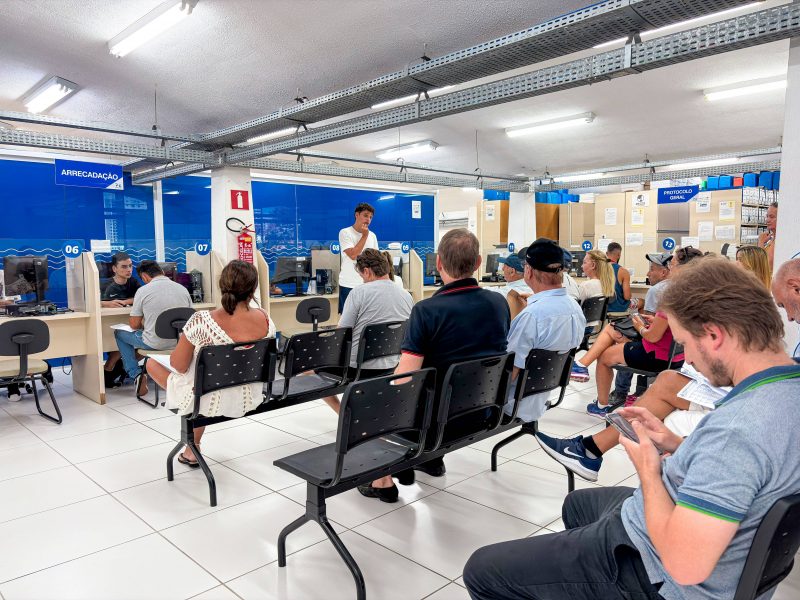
[[513, 271], [551, 320]]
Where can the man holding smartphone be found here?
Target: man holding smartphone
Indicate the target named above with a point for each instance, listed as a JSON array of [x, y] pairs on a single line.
[[353, 241], [687, 530]]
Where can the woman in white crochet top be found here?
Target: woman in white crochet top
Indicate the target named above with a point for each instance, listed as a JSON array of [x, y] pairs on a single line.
[[234, 322]]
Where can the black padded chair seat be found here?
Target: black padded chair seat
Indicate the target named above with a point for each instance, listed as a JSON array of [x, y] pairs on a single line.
[[303, 384], [317, 465]]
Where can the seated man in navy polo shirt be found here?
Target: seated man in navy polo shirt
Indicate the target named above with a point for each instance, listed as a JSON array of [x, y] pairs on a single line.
[[461, 321]]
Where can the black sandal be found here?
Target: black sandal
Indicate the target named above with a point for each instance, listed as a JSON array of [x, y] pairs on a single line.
[[389, 494], [185, 461]]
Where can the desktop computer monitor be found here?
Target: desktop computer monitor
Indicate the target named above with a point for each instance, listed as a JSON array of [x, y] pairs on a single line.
[[492, 264], [397, 265], [170, 269], [292, 269], [430, 265], [25, 275], [104, 270]]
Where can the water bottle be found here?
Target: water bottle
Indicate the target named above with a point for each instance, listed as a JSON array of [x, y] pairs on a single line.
[[312, 287]]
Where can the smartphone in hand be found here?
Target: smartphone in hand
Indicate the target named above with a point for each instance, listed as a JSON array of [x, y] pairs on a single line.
[[622, 425]]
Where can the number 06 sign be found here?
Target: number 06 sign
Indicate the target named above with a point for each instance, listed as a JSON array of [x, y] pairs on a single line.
[[72, 248]]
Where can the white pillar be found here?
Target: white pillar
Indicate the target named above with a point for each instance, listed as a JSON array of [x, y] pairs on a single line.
[[158, 221], [223, 182], [521, 219], [787, 243]]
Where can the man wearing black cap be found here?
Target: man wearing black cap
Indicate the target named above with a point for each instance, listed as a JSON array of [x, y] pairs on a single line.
[[550, 321], [461, 321]]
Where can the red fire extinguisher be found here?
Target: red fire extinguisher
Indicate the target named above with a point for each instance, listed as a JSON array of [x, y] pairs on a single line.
[[245, 243]]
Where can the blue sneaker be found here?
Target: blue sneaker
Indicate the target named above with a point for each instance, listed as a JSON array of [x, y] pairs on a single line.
[[596, 410], [579, 373], [572, 454]]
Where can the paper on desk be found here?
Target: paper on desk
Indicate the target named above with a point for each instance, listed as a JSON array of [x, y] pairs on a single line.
[[699, 390], [163, 360], [122, 327]]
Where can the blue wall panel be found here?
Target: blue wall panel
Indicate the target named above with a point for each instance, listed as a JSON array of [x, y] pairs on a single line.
[[187, 216], [38, 216]]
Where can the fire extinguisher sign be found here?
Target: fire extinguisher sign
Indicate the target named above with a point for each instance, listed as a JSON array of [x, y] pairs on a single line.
[[245, 242], [240, 200]]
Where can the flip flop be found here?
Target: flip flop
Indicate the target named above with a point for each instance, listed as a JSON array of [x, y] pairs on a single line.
[[185, 461], [139, 383]]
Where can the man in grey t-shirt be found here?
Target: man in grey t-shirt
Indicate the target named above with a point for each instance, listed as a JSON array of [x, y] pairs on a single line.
[[157, 295], [380, 300], [686, 532]]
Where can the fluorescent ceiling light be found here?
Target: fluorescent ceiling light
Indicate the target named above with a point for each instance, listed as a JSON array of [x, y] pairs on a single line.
[[407, 99], [702, 163], [584, 177], [49, 93], [154, 23], [550, 124], [651, 32], [745, 88], [407, 150], [270, 135], [171, 193]]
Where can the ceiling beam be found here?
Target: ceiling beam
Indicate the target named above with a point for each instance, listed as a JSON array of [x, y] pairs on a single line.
[[753, 29], [23, 117]]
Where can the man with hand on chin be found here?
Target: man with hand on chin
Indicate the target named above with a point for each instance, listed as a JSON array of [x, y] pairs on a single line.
[[353, 241], [686, 532]]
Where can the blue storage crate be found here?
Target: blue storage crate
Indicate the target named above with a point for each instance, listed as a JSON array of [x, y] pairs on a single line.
[[725, 182], [776, 180], [765, 180], [713, 182], [750, 180]]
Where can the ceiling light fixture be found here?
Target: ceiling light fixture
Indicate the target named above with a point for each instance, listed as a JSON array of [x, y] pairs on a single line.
[[404, 150], [154, 23], [745, 88], [584, 177], [407, 99], [718, 162], [52, 91], [550, 124], [681, 24], [270, 135], [171, 193]]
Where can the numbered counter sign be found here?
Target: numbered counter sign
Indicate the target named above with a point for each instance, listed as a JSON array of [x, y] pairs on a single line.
[[202, 248], [587, 245], [668, 244], [72, 248], [512, 247], [335, 248], [405, 247]]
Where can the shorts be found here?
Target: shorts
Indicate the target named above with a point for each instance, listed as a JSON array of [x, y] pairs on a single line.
[[637, 357], [684, 422]]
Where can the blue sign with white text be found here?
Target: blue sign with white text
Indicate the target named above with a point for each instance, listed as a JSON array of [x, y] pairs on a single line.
[[405, 247], [587, 245], [335, 248], [87, 174], [511, 247], [202, 248], [677, 194], [72, 248], [668, 244]]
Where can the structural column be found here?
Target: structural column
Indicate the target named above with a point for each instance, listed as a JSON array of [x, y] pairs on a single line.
[[231, 196], [521, 219], [787, 242]]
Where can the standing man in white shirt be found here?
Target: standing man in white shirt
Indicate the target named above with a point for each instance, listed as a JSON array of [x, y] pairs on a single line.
[[353, 241]]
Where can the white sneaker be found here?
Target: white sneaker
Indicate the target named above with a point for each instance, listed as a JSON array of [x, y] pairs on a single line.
[[14, 397]]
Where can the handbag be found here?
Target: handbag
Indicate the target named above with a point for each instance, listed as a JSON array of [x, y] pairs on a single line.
[[625, 327]]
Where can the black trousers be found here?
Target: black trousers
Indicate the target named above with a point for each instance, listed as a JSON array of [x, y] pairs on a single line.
[[593, 559]]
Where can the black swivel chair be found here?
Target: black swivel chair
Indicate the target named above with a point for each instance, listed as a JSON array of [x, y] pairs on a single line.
[[373, 413], [772, 552], [217, 368], [595, 310], [21, 338], [313, 310], [169, 325], [545, 371]]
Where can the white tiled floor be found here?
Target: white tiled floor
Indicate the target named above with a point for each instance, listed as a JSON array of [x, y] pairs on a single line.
[[86, 510]]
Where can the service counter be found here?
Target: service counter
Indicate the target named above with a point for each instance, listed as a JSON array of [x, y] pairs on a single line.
[[283, 310], [120, 316]]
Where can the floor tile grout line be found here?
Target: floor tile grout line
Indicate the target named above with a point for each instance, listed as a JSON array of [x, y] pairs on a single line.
[[220, 585], [47, 510], [3, 481]]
